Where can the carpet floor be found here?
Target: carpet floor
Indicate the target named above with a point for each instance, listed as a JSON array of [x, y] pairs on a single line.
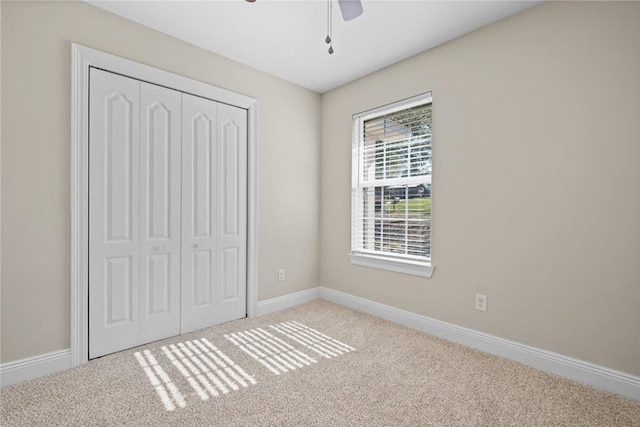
[[316, 364]]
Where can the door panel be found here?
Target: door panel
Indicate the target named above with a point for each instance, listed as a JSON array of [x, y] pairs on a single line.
[[231, 218], [156, 149], [199, 266], [118, 284], [202, 278], [113, 213], [230, 180], [203, 142], [160, 140], [231, 267], [119, 148], [158, 285]]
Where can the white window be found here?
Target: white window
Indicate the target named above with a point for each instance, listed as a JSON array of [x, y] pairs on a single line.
[[391, 187]]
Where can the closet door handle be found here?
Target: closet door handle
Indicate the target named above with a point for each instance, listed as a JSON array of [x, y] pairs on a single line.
[[198, 246], [160, 248]]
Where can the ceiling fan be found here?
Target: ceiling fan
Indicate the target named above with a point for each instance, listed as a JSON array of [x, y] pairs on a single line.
[[350, 9]]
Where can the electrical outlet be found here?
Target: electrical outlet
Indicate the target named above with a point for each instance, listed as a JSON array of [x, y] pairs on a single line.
[[281, 275], [481, 302]]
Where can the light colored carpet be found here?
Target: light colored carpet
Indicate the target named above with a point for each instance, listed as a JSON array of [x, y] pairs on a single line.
[[395, 377]]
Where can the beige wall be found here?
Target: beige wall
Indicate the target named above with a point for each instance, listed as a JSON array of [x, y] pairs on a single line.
[[36, 57], [537, 192], [536, 181]]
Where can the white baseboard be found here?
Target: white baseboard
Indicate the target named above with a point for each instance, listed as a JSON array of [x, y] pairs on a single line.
[[600, 377], [286, 301], [34, 367]]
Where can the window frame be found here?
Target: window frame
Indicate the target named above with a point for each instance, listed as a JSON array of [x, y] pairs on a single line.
[[378, 259]]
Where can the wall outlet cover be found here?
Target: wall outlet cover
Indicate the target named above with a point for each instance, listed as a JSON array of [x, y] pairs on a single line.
[[481, 302]]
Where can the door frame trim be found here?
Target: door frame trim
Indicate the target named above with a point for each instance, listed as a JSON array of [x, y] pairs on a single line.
[[82, 58]]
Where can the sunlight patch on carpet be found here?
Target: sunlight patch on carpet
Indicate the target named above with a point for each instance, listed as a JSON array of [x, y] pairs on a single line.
[[153, 370], [208, 371], [272, 352], [282, 350]]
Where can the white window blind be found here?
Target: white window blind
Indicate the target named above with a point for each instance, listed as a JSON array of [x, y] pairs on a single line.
[[391, 182]]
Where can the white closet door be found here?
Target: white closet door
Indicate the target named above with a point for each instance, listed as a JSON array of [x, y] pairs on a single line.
[[231, 218], [199, 118], [114, 244], [167, 213], [160, 176]]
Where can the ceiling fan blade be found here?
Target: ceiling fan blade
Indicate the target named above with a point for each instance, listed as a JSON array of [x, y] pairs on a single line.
[[350, 9]]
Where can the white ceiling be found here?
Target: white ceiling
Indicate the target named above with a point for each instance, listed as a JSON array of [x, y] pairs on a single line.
[[286, 38]]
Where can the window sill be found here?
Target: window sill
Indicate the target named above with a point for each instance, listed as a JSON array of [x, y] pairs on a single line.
[[400, 266]]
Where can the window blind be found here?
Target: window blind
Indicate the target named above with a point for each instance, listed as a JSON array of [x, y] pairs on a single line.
[[391, 181]]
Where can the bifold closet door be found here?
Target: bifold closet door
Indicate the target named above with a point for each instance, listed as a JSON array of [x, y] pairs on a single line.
[[160, 233], [134, 216], [167, 213], [214, 194], [199, 118], [231, 296]]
